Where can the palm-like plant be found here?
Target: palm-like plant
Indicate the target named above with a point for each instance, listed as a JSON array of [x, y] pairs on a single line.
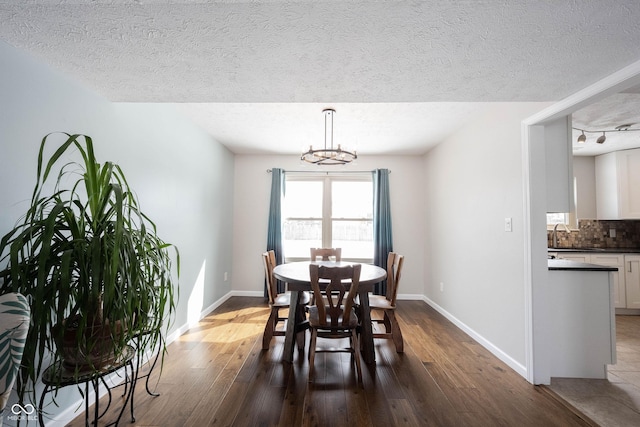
[[86, 252]]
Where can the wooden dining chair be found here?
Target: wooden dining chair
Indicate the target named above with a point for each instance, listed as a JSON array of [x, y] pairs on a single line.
[[277, 302], [325, 253], [333, 316], [387, 303]]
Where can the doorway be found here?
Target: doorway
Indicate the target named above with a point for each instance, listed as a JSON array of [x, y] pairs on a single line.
[[535, 250]]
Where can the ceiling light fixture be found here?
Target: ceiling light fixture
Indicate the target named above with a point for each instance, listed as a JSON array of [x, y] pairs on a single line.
[[582, 138], [328, 155]]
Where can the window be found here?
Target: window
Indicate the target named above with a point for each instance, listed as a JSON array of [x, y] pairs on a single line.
[[557, 218], [328, 211]]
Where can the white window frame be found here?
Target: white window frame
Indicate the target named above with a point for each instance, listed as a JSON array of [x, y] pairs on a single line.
[[327, 221]]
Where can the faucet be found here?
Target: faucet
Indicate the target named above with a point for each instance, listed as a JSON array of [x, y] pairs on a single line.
[[554, 236]]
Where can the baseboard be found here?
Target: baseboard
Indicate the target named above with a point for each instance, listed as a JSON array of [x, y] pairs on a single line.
[[410, 297], [628, 311], [247, 293], [513, 364]]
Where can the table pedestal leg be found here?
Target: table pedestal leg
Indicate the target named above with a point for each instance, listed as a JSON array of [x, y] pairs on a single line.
[[291, 327], [368, 350]]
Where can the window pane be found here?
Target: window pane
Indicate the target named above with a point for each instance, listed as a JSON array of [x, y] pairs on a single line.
[[298, 236], [352, 199], [303, 199], [557, 218], [354, 237]]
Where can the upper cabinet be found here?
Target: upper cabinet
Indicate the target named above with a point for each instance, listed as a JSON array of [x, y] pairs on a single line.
[[584, 172], [618, 185], [559, 173]]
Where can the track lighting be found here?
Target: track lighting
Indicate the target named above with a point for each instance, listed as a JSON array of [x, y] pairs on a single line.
[[582, 138]]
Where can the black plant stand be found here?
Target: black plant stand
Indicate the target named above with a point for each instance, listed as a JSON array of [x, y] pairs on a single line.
[[137, 339], [57, 376]]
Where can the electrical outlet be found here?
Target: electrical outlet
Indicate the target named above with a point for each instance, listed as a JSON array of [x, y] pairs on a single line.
[[441, 287], [226, 276]]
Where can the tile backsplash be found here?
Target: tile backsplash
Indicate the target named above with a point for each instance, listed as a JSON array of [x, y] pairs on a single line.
[[596, 234]]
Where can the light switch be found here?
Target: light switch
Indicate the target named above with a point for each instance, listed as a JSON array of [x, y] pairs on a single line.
[[507, 224]]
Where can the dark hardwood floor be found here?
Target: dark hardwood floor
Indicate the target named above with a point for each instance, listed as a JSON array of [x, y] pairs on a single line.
[[217, 374]]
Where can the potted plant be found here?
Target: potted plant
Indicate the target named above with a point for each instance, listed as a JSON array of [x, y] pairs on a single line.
[[89, 261]]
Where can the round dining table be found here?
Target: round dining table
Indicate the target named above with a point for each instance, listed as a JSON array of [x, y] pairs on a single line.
[[297, 277]]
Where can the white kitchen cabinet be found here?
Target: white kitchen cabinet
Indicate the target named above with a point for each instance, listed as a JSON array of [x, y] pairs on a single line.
[[575, 256], [632, 280], [582, 337], [625, 281], [609, 260], [617, 277], [618, 185], [558, 161]]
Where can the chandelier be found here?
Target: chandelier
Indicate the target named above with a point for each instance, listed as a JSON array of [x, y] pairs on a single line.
[[582, 138], [328, 155]]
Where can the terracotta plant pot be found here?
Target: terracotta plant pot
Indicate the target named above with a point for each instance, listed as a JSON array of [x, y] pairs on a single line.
[[92, 351]]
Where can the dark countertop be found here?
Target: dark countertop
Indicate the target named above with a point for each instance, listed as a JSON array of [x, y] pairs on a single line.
[[604, 250], [565, 264]]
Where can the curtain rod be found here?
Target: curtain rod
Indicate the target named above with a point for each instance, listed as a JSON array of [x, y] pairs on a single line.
[[324, 172]]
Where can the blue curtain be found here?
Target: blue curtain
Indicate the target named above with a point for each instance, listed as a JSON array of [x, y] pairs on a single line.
[[274, 229], [382, 235]]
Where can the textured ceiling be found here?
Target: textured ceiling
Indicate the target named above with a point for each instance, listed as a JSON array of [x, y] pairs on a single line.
[[383, 65]]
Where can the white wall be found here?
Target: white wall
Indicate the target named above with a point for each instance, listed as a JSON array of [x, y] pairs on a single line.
[[184, 178], [584, 171], [251, 210], [473, 181]]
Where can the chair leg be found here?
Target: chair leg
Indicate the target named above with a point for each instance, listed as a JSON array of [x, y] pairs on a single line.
[[396, 333], [387, 322], [356, 354], [300, 337], [269, 328]]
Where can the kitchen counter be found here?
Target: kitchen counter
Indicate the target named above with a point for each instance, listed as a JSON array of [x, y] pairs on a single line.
[[581, 316], [564, 264], [598, 250]]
